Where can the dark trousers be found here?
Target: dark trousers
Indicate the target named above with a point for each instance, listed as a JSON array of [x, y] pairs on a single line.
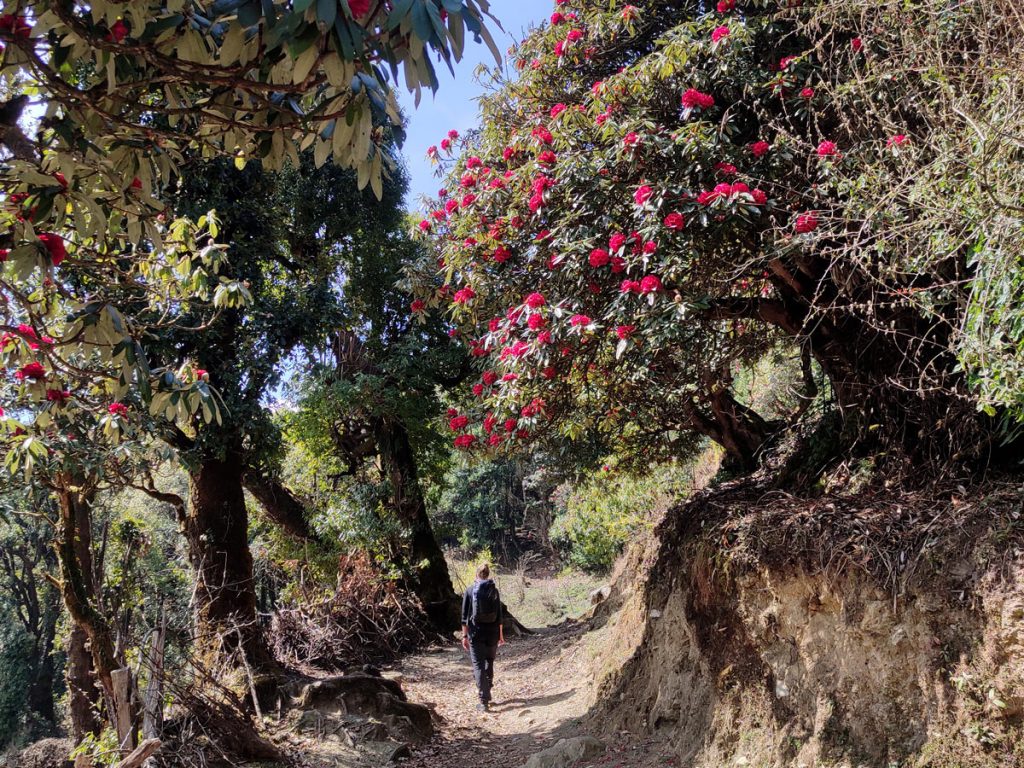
[[483, 648]]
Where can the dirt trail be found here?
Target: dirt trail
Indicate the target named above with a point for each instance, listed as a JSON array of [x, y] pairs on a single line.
[[540, 695]]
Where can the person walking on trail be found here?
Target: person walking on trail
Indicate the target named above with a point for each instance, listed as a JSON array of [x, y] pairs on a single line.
[[482, 633]]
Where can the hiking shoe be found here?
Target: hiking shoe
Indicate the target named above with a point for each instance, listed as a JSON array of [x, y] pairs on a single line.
[[482, 706]]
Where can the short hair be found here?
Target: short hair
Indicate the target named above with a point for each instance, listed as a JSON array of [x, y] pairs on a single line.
[[483, 572]]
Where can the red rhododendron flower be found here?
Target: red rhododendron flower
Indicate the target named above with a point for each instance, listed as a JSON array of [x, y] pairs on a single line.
[[897, 140], [464, 295], [544, 338], [724, 6], [535, 300], [489, 377], [806, 222], [542, 135], [478, 390], [629, 286], [4, 253], [616, 242], [511, 424], [557, 110], [827, 149], [359, 9], [807, 93], [464, 441], [629, 13], [509, 377], [549, 372], [502, 254], [118, 31], [31, 371], [557, 18], [726, 169], [574, 35], [856, 44], [458, 422], [536, 322], [446, 144], [117, 409], [432, 152], [719, 33], [650, 247], [452, 134], [760, 148], [489, 422], [15, 25], [598, 258], [631, 139], [424, 226], [650, 284], [625, 331], [675, 221], [694, 99], [642, 195], [468, 181], [418, 305], [579, 320], [452, 413], [57, 395], [760, 198], [547, 157], [55, 245]]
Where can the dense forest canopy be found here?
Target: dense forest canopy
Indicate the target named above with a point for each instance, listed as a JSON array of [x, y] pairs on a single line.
[[255, 416]]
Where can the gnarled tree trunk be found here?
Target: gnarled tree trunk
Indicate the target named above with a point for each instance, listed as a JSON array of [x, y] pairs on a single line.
[[216, 527], [91, 656], [430, 579]]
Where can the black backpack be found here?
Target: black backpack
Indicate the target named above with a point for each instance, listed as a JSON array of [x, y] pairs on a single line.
[[486, 603]]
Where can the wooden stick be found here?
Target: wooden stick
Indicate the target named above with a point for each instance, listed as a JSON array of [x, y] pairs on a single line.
[[143, 752]]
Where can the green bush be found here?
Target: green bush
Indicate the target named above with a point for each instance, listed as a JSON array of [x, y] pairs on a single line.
[[601, 515], [15, 661]]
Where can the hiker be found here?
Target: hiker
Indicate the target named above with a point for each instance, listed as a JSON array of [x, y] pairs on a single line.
[[482, 632]]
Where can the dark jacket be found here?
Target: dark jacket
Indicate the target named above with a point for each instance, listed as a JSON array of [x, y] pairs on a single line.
[[467, 604]]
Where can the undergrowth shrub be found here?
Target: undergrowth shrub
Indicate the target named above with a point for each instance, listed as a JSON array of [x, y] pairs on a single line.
[[601, 515]]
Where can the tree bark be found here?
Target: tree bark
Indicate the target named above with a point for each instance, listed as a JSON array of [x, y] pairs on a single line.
[[217, 531], [89, 638], [281, 505], [429, 577]]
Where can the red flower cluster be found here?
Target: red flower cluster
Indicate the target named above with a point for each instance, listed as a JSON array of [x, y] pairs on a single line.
[[719, 33], [675, 221], [15, 26], [827, 149], [760, 148], [117, 409], [694, 99], [806, 222], [34, 371], [464, 295], [55, 246]]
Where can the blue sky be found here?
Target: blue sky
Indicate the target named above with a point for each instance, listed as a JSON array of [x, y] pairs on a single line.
[[454, 104]]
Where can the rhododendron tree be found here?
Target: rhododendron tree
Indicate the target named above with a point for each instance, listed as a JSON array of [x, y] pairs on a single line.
[[690, 189]]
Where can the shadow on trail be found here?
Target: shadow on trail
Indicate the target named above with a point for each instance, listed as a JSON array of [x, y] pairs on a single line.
[[536, 701]]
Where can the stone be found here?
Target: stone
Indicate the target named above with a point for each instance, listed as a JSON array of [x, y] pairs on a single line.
[[601, 594], [566, 753]]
